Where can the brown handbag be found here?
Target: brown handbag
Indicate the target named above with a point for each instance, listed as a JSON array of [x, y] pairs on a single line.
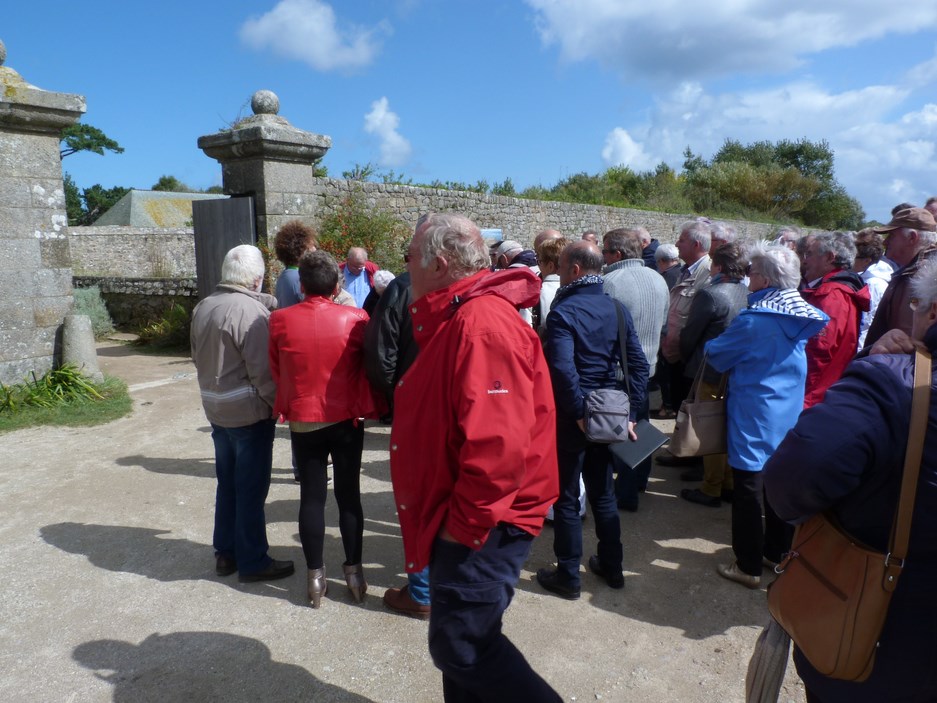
[[833, 592], [700, 426]]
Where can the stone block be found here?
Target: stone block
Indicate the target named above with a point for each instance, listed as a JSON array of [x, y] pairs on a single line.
[[53, 283], [16, 370], [19, 254], [51, 312], [18, 284], [30, 156], [55, 253], [16, 314]]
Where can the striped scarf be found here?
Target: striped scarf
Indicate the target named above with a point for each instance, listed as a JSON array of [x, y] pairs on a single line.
[[787, 301], [586, 280]]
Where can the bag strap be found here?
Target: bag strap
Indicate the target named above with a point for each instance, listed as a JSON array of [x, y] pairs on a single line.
[[622, 337], [920, 410]]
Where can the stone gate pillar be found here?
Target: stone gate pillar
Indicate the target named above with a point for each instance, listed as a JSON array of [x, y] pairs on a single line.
[[266, 157], [35, 265]]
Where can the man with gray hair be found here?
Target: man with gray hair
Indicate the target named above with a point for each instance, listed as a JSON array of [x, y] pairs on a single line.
[[693, 245], [229, 338], [644, 294], [358, 275], [910, 241], [838, 291], [473, 455], [721, 233]]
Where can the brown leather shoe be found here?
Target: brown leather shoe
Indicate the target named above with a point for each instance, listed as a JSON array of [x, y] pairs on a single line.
[[399, 600], [225, 566]]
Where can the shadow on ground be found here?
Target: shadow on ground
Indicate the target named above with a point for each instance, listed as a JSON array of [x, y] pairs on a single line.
[[202, 666]]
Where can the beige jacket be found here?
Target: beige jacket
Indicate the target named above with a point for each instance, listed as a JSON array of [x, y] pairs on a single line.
[[681, 298], [229, 337]]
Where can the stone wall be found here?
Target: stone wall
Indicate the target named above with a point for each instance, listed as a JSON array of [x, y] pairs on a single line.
[[132, 252], [135, 302]]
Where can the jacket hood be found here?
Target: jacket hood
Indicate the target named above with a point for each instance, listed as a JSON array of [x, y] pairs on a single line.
[[268, 301], [850, 280], [879, 269], [797, 318], [519, 286]]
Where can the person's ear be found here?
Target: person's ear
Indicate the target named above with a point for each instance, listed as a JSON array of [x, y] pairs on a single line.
[[932, 314]]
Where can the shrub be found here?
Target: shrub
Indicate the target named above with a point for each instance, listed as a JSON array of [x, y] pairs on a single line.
[[88, 301], [169, 332], [355, 223]]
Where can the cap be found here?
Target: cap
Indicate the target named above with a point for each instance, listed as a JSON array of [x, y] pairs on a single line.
[[912, 218], [507, 247]]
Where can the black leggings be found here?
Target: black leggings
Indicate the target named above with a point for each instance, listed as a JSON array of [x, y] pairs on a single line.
[[344, 441]]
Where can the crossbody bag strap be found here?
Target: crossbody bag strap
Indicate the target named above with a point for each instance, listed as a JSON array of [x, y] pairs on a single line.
[[920, 410], [623, 360]]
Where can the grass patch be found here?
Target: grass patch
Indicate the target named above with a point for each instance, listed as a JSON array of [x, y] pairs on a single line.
[[62, 396], [170, 333]]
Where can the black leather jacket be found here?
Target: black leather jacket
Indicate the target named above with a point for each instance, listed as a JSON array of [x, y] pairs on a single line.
[[389, 349]]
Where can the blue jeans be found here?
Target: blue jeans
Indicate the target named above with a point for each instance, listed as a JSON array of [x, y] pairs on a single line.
[[419, 586], [470, 590], [243, 460], [577, 457]]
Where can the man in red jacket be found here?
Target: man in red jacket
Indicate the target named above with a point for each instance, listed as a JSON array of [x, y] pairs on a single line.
[[473, 455], [841, 294]]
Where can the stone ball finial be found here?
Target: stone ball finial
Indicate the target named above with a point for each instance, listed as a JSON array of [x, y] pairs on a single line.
[[265, 102], [3, 53]]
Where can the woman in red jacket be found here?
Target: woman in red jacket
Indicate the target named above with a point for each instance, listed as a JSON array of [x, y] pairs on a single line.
[[316, 360]]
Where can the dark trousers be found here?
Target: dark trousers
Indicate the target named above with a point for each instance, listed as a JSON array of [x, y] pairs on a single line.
[[344, 441], [592, 461], [469, 592], [679, 384], [243, 460], [752, 539], [630, 482]]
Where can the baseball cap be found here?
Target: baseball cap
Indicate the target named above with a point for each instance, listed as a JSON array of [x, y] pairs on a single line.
[[913, 218], [509, 245]]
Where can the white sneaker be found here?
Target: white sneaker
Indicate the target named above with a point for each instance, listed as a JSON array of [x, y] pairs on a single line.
[[733, 573]]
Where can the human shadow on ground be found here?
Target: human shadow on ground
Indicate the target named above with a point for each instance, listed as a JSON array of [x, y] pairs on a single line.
[[202, 666], [142, 551]]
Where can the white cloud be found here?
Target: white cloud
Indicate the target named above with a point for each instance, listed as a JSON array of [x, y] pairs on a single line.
[[383, 123], [675, 40], [621, 150], [306, 30]]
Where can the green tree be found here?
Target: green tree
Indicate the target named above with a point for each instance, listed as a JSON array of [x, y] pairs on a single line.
[[84, 137], [73, 205], [506, 187], [360, 172], [171, 184], [98, 200]]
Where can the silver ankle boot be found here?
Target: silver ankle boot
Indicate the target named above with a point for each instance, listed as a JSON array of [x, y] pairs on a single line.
[[317, 585], [354, 577]]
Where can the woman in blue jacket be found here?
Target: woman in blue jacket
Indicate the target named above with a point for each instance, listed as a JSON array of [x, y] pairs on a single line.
[[762, 350]]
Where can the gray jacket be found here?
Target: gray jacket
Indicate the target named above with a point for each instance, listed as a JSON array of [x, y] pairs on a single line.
[[229, 336]]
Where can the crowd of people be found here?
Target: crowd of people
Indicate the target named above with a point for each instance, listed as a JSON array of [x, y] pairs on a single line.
[[482, 356]]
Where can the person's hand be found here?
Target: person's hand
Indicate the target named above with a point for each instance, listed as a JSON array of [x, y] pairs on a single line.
[[445, 535], [581, 424], [631, 433], [896, 342]]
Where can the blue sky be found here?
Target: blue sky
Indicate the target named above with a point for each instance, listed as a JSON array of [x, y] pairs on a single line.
[[534, 90]]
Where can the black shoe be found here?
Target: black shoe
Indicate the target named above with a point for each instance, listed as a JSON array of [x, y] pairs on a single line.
[[694, 474], [275, 570], [613, 579], [695, 495], [551, 580], [668, 459], [628, 506], [225, 566]]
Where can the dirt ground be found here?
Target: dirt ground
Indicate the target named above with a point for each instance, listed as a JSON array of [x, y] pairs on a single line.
[[109, 591]]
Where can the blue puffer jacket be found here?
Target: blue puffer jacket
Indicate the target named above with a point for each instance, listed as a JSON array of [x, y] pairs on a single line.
[[582, 350], [847, 454], [763, 351]]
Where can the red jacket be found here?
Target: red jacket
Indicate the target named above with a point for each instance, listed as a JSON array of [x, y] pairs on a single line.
[[844, 297], [474, 435], [317, 362]]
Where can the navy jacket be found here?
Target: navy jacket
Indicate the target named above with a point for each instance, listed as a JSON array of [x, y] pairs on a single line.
[[847, 454], [582, 350]]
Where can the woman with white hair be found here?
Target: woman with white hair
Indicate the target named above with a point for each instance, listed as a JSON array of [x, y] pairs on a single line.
[[762, 350]]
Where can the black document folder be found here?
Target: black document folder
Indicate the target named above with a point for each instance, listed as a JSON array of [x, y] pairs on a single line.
[[632, 453]]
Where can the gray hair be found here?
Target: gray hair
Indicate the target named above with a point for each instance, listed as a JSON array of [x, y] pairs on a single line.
[[926, 237], [777, 263], [840, 245], [382, 279], [458, 240], [666, 252], [924, 283], [723, 232], [698, 231], [243, 266]]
